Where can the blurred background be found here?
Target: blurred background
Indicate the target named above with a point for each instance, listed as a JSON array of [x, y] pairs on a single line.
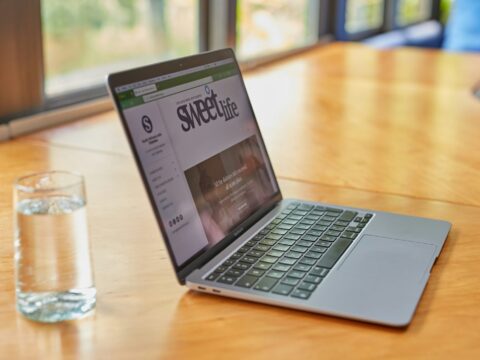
[[61, 50]]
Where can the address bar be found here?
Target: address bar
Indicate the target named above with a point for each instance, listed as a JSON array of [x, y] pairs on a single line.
[[160, 94]]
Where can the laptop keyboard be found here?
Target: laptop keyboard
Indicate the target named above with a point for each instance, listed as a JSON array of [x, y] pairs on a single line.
[[294, 252]]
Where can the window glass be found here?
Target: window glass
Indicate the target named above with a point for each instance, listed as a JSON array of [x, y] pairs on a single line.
[[364, 15], [445, 8], [412, 11], [274, 25], [86, 39]]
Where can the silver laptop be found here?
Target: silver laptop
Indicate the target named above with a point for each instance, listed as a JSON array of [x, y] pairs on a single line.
[[229, 232]]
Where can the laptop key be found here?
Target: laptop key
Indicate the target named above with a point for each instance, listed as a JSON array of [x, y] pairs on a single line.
[[302, 267], [287, 261], [213, 276], [301, 294], [308, 261], [225, 279], [256, 253], [294, 255], [304, 243], [220, 269], [281, 267], [329, 238], [256, 272], [234, 273], [307, 222], [307, 286], [262, 266], [247, 281], [249, 259], [292, 236], [287, 242], [349, 235], [313, 255], [334, 252], [333, 233], [313, 279], [275, 253], [281, 247], [261, 248], [228, 262], [329, 218], [296, 274], [310, 238], [290, 281], [269, 259], [243, 249], [320, 249], [298, 231], [315, 232], [275, 274], [241, 266], [267, 242], [348, 216], [282, 289], [300, 249], [266, 284], [272, 236], [319, 271]]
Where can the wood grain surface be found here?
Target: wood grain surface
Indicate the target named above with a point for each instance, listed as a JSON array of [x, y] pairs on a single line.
[[344, 124]]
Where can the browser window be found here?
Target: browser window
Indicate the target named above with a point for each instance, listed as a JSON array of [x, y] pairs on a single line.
[[200, 148]]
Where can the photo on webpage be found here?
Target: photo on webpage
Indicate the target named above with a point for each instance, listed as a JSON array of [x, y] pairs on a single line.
[[228, 187]]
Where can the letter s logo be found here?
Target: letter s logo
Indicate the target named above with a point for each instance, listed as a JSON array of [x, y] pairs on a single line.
[[147, 124]]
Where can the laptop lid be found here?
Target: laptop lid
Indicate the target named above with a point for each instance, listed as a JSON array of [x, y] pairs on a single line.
[[199, 150]]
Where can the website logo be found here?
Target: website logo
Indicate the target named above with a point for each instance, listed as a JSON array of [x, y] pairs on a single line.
[[202, 111], [147, 124]]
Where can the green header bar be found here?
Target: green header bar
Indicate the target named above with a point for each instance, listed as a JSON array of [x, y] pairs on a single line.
[[128, 99]]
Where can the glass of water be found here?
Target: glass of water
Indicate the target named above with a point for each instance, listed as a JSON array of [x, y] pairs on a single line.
[[53, 270]]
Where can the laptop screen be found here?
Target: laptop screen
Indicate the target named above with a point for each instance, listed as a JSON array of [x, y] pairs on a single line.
[[200, 149]]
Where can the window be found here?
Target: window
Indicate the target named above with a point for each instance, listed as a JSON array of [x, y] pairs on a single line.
[[271, 26], [445, 9], [69, 46], [364, 15], [86, 39], [412, 11]]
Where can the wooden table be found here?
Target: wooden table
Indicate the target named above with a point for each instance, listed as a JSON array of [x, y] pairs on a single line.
[[390, 130]]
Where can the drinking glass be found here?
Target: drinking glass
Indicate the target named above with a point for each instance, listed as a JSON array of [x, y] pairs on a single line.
[[53, 270]]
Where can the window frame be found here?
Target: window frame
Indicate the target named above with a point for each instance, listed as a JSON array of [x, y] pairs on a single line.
[[341, 32], [433, 15]]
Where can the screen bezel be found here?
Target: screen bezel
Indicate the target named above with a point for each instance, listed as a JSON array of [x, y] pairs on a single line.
[[150, 71]]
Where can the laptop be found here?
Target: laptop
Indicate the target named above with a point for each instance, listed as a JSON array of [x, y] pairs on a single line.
[[226, 226]]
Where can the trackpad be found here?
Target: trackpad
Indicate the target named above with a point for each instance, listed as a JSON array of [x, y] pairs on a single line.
[[389, 260], [382, 279]]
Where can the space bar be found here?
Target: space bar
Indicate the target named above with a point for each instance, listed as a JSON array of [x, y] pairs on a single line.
[[334, 252]]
